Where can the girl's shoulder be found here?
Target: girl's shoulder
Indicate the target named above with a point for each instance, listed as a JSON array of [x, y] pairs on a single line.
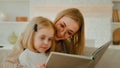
[[24, 54], [27, 52], [30, 54]]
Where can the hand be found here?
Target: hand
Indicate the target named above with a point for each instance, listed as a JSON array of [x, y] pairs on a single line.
[[41, 66]]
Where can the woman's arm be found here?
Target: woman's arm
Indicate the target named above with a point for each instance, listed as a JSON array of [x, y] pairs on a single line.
[[11, 60]]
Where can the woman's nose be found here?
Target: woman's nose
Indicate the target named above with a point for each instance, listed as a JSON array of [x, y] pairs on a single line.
[[62, 33]]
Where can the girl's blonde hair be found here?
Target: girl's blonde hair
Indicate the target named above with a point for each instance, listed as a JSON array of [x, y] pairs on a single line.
[[27, 40], [78, 38]]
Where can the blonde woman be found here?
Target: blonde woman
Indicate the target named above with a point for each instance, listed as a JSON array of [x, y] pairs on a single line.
[[37, 41], [69, 36]]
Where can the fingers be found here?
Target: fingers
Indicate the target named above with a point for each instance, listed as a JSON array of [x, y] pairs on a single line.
[[41, 66]]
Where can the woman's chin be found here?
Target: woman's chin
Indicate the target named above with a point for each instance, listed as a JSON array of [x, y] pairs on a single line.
[[57, 39]]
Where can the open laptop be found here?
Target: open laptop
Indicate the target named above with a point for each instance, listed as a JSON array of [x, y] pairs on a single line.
[[62, 60]]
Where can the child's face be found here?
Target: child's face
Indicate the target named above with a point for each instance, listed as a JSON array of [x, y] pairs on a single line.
[[43, 39]]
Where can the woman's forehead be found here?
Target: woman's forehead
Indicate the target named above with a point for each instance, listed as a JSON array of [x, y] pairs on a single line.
[[70, 23]]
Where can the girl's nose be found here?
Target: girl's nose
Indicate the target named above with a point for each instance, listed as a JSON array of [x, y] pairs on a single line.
[[46, 42]]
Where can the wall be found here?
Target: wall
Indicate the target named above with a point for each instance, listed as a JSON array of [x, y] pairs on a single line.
[[7, 28], [69, 2], [13, 8], [97, 15]]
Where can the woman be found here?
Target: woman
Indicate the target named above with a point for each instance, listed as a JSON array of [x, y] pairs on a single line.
[[69, 36]]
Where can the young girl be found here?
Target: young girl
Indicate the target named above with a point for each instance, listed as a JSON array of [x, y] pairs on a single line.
[[37, 39]]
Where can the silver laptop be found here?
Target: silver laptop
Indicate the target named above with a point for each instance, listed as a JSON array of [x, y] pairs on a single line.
[[62, 60]]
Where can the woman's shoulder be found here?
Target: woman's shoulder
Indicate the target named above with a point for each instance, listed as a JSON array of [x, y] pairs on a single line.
[[64, 42], [68, 42]]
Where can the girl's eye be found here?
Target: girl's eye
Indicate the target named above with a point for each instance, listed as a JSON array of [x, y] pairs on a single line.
[[50, 39], [42, 38]]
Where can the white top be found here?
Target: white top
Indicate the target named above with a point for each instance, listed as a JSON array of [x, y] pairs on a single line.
[[30, 59]]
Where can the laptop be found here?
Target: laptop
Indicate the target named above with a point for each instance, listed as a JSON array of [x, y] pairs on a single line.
[[63, 60]]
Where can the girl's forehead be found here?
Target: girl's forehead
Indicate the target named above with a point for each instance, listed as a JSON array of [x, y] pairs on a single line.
[[45, 31]]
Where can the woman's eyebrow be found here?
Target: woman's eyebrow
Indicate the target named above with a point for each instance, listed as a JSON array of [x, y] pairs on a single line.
[[64, 23], [71, 31]]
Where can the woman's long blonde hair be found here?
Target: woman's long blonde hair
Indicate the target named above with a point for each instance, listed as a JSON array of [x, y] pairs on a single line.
[[27, 40], [78, 38]]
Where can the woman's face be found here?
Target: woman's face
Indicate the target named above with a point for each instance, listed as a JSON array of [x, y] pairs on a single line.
[[65, 28]]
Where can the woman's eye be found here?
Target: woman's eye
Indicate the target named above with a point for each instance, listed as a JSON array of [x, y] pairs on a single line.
[[69, 33], [62, 25]]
